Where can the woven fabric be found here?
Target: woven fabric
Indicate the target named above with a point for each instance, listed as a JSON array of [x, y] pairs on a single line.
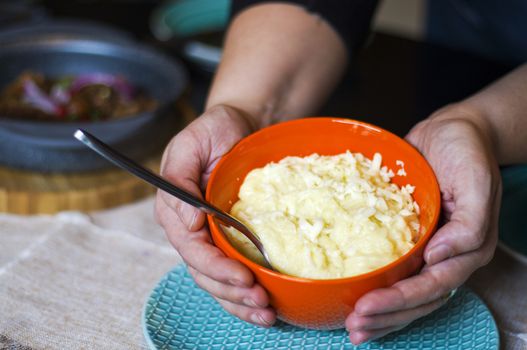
[[66, 283], [179, 315], [75, 281]]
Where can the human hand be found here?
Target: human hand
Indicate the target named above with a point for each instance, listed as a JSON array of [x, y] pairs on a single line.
[[188, 162], [458, 145]]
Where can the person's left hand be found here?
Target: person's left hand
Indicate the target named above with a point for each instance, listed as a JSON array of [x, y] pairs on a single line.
[[458, 145]]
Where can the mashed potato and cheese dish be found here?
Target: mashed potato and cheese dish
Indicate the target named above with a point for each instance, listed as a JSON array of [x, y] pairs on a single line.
[[325, 217]]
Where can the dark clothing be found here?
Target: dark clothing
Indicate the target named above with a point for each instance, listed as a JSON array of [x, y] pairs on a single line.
[[351, 19], [491, 28]]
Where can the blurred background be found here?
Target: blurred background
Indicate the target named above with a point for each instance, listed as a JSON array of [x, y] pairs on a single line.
[[192, 31], [134, 72], [62, 63]]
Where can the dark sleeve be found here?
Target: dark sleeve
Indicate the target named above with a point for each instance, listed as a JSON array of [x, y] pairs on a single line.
[[350, 18]]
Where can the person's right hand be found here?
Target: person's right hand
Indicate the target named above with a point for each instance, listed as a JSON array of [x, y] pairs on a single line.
[[187, 162]]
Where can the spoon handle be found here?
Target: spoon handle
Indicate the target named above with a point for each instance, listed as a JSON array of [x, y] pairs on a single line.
[[129, 165]]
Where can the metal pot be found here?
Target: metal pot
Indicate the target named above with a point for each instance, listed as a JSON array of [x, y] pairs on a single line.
[[50, 146]]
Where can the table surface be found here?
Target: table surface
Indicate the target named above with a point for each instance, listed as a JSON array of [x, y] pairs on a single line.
[[394, 83]]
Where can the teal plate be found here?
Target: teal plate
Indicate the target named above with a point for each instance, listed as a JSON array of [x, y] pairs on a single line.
[[179, 315]]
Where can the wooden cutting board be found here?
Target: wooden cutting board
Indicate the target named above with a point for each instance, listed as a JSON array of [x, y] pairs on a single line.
[[27, 192]]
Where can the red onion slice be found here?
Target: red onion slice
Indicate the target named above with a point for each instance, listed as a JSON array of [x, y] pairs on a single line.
[[35, 97], [123, 88], [60, 94]]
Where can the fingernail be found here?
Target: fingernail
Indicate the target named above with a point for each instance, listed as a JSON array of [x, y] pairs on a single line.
[[257, 318], [357, 338], [368, 309], [350, 324], [193, 216], [250, 302], [438, 253]]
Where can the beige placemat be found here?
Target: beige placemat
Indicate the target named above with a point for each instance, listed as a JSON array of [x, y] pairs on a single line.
[[73, 281]]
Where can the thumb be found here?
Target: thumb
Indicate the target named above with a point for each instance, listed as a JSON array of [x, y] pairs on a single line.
[[191, 217], [181, 166], [469, 226]]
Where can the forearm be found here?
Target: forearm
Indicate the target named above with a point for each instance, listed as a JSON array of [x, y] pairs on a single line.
[[279, 62], [502, 106]]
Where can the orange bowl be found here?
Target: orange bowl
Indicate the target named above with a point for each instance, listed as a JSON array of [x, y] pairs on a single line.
[[324, 304]]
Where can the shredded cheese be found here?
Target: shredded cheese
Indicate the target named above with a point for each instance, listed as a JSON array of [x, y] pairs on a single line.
[[326, 217]]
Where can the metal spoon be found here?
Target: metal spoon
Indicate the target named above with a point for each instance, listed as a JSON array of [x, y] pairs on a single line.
[[129, 165]]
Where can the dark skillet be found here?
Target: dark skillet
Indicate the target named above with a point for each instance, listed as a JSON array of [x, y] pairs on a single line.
[[49, 146]]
